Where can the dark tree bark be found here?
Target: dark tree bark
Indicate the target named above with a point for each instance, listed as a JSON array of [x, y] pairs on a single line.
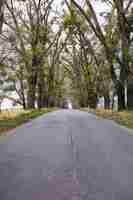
[[24, 105], [124, 38], [106, 101], [39, 98], [1, 13], [1, 100], [121, 96], [31, 96], [42, 100], [32, 83]]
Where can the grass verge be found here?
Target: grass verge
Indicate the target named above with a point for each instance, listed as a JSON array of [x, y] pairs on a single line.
[[10, 120], [124, 118]]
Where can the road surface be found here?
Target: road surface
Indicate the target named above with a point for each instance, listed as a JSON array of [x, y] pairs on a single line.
[[67, 155]]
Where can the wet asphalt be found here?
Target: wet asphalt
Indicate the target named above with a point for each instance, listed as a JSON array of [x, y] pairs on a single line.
[[67, 155]]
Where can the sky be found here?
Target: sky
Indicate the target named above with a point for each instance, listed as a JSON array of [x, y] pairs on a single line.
[[97, 5]]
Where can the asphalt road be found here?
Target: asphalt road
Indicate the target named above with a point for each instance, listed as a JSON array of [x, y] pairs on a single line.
[[67, 155]]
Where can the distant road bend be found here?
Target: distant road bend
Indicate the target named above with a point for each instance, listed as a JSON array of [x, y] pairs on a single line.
[[67, 155]]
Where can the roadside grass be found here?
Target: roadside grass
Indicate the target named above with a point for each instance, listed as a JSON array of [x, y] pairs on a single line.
[[11, 119], [124, 118]]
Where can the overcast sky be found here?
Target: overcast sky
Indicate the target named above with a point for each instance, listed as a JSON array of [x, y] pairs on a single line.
[[98, 6]]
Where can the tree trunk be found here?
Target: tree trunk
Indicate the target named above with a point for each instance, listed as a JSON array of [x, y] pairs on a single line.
[[0, 106], [93, 101], [121, 96], [24, 105], [31, 97], [1, 13], [51, 101], [32, 82], [124, 44], [23, 92], [106, 101], [42, 100]]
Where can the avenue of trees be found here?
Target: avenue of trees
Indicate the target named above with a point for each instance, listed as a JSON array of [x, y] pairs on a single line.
[[47, 54]]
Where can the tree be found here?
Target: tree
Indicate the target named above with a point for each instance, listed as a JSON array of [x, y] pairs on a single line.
[[34, 27], [28, 33], [90, 68], [1, 13], [111, 55]]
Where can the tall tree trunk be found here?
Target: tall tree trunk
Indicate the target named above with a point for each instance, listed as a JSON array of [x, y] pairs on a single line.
[[124, 39], [24, 105], [42, 99], [1, 13], [121, 96], [51, 101], [106, 101], [32, 83], [0, 105], [31, 96], [39, 98], [51, 96], [23, 92], [45, 94]]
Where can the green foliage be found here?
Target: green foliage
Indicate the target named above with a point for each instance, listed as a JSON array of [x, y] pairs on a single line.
[[69, 21], [114, 61], [88, 72], [72, 19], [88, 12], [126, 53], [2, 66]]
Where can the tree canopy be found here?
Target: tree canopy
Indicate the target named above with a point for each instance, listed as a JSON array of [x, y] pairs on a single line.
[[47, 55]]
